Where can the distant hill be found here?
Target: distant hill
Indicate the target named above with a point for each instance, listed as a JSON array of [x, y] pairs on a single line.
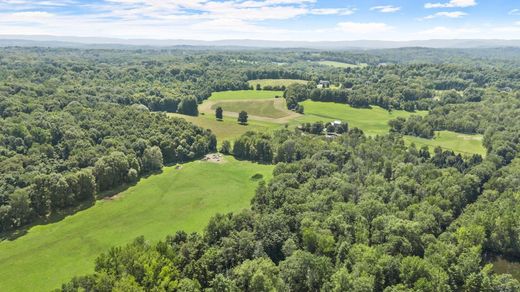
[[93, 42]]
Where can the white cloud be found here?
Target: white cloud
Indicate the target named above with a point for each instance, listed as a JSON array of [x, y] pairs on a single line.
[[333, 11], [26, 17], [454, 14], [452, 4], [363, 27], [514, 12], [386, 8]]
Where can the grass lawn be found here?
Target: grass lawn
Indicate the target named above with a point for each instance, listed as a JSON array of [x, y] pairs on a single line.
[[373, 121], [262, 108], [228, 129], [276, 82], [184, 198], [460, 143], [245, 94], [341, 64]]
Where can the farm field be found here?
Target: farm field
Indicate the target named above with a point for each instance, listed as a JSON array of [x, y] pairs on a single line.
[[262, 108], [228, 128], [460, 143], [51, 254], [275, 82], [341, 64], [373, 121], [266, 115], [245, 94], [260, 105]]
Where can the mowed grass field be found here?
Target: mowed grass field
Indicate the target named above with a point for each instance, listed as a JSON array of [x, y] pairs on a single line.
[[263, 108], [276, 82], [460, 143], [373, 121], [177, 199], [245, 94], [341, 64], [227, 129]]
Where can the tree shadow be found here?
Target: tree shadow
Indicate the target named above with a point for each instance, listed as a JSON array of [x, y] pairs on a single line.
[[57, 216]]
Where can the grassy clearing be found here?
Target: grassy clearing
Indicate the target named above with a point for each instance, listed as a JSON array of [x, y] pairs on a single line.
[[373, 121], [228, 129], [245, 94], [159, 205], [503, 266], [341, 64], [276, 82], [262, 108], [460, 143]]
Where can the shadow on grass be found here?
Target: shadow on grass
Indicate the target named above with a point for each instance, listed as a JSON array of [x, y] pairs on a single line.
[[62, 214]]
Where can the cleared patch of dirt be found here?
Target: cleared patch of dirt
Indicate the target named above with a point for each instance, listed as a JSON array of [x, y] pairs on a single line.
[[113, 198], [214, 157]]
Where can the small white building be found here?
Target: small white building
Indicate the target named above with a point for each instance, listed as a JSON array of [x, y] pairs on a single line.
[[324, 84]]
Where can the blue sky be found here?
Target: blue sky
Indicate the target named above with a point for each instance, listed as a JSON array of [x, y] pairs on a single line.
[[311, 20]]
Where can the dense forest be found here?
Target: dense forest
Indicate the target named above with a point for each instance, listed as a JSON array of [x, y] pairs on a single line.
[[349, 213]]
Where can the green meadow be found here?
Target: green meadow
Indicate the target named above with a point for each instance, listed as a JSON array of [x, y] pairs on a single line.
[[373, 121], [276, 82], [182, 197], [245, 94], [228, 128], [460, 143], [262, 108]]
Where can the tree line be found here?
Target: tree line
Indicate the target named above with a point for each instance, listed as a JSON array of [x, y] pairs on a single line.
[[350, 214], [52, 160]]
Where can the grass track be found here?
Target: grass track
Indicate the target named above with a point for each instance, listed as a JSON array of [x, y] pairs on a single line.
[[157, 206]]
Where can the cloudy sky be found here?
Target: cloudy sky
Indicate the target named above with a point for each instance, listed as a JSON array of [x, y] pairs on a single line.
[[310, 20]]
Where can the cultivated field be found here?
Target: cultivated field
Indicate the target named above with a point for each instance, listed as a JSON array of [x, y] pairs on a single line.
[[228, 128], [261, 108], [275, 82], [245, 94], [267, 113], [260, 105], [182, 197]]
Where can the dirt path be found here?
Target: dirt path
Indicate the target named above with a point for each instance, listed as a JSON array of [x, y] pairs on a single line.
[[279, 104]]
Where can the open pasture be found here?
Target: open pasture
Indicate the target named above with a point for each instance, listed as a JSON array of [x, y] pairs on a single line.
[[182, 197]]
